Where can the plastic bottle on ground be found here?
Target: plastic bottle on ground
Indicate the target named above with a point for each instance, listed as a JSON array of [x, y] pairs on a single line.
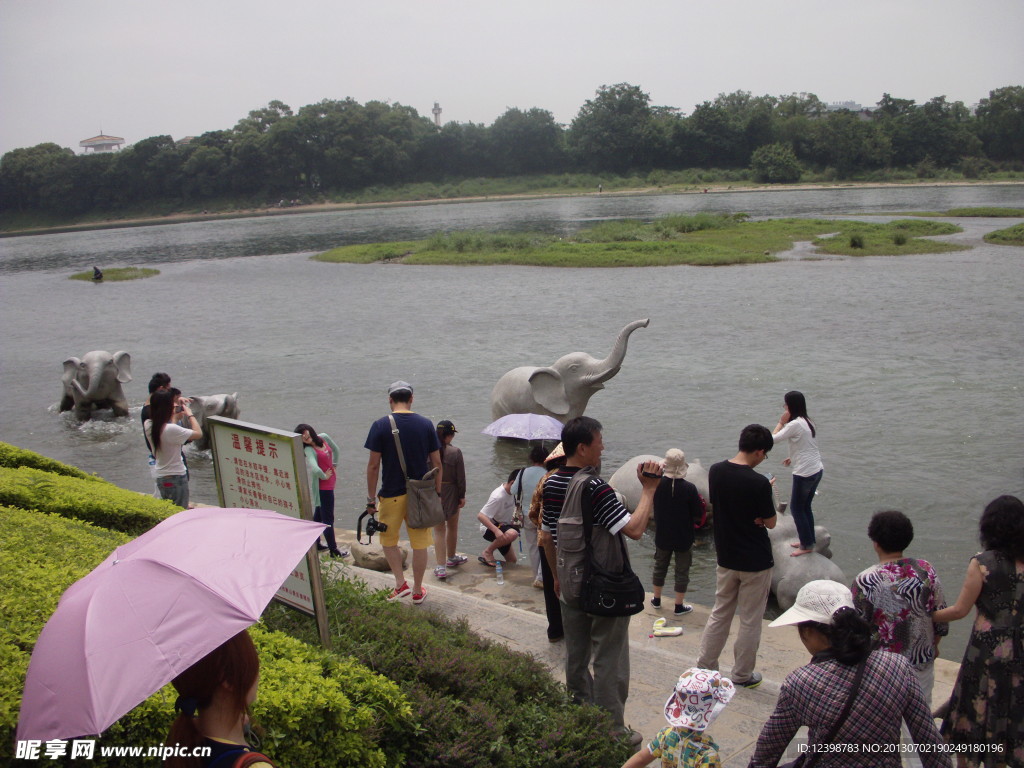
[[500, 573]]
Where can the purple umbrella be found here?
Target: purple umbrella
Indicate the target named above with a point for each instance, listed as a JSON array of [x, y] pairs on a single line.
[[153, 608], [526, 426]]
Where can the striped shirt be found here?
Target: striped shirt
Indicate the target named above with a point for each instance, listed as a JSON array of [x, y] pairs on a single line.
[[607, 509]]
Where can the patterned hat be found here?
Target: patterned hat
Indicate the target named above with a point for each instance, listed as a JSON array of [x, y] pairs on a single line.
[[698, 698]]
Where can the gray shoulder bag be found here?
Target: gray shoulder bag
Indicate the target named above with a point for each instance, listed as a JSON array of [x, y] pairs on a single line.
[[422, 504]]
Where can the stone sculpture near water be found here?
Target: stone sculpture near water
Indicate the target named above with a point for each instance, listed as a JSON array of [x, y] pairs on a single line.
[[204, 406], [563, 389], [94, 382], [625, 481]]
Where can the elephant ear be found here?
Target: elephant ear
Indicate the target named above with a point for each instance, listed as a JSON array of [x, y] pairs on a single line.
[[71, 367], [123, 361], [549, 390]]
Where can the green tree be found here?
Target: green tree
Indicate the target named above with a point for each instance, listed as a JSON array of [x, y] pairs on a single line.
[[848, 144], [1000, 123], [527, 142], [204, 172], [260, 120], [612, 131], [35, 177], [775, 164]]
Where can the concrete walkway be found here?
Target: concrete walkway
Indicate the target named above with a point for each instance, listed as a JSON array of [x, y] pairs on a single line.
[[513, 613]]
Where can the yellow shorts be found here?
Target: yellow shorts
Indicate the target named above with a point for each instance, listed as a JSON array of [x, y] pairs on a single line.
[[391, 512]]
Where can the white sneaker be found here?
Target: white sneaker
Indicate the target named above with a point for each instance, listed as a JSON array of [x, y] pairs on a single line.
[[441, 572]]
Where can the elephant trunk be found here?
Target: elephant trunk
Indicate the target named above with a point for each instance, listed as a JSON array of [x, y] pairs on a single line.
[[608, 367], [95, 383]]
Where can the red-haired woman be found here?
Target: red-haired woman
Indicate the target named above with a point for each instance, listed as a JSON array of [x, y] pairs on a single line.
[[214, 696]]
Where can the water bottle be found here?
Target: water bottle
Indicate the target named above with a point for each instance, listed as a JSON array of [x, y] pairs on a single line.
[[500, 573]]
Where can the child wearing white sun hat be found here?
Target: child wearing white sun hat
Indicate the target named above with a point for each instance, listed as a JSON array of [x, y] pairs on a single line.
[[698, 698]]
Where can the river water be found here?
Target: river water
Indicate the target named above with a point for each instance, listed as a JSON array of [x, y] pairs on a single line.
[[913, 366]]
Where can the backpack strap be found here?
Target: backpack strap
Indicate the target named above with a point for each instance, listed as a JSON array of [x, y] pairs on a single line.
[[249, 758]]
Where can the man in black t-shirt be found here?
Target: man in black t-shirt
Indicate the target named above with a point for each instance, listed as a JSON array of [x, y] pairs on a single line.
[[744, 509]]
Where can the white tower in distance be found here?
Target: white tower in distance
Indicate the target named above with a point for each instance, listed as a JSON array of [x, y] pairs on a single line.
[[437, 115]]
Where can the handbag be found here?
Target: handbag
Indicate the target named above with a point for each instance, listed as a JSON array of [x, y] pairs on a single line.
[[422, 503], [808, 759], [517, 501], [604, 592]]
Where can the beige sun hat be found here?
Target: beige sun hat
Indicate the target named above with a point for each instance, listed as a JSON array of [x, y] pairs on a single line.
[[816, 601], [699, 697], [557, 453], [675, 464]]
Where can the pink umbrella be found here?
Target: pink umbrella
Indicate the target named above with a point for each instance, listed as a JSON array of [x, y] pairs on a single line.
[[152, 609], [526, 426]]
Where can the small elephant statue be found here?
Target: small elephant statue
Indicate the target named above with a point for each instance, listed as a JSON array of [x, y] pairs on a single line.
[[95, 382], [204, 406], [791, 573], [563, 389]]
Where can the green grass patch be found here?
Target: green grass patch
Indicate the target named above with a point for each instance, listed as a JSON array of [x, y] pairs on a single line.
[[702, 240], [1010, 236], [978, 212], [117, 274]]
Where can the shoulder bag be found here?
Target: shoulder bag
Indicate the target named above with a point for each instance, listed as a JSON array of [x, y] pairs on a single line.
[[807, 760], [422, 503]]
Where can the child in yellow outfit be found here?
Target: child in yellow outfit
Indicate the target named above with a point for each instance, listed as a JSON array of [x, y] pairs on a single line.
[[697, 699]]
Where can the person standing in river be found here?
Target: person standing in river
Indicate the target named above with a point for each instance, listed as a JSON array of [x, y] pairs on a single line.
[[797, 431]]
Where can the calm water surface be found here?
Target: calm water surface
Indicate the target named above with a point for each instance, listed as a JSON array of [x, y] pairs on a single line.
[[912, 365]]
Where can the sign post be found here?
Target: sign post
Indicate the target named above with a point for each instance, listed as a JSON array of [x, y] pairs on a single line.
[[259, 467]]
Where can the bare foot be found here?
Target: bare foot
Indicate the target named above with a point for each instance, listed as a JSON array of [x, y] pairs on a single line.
[[795, 544], [798, 552]]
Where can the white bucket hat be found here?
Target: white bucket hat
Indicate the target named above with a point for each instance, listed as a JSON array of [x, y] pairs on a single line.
[[675, 464], [698, 698], [816, 601]]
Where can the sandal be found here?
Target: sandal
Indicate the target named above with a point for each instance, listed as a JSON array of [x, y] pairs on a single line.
[[660, 630], [488, 563]]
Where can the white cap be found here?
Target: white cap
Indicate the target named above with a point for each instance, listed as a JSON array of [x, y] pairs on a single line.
[[816, 601]]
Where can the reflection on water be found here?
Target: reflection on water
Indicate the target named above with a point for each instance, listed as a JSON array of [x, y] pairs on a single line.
[[912, 365]]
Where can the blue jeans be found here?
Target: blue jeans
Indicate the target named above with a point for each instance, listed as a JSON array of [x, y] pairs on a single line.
[[174, 488], [800, 506]]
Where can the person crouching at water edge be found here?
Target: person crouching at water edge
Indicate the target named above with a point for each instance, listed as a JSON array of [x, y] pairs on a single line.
[[497, 525]]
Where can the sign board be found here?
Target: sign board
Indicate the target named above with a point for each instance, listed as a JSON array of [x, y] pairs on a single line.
[[259, 467]]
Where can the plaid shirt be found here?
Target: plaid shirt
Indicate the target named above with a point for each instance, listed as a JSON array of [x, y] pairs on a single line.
[[815, 695]]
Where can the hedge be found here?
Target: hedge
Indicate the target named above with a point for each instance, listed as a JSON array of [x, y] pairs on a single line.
[[93, 500], [317, 708], [12, 456]]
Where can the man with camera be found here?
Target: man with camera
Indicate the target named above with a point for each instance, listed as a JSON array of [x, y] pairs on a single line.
[[422, 451], [588, 637]]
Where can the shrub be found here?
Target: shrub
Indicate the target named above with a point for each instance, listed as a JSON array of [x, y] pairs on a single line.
[[856, 241], [12, 456], [775, 164], [94, 501], [477, 702], [899, 238]]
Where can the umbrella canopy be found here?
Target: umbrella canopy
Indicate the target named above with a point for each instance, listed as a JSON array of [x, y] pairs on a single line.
[[526, 426], [153, 608]]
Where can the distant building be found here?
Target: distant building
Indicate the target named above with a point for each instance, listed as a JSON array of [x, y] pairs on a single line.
[[184, 142], [852, 106], [437, 115], [102, 143]]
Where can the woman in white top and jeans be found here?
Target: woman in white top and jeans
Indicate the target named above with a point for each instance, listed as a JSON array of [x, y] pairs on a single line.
[[167, 439], [797, 429]]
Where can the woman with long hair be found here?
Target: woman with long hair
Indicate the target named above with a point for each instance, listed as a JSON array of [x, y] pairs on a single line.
[[851, 694], [797, 429], [167, 439], [453, 499], [321, 454], [984, 712], [214, 696]]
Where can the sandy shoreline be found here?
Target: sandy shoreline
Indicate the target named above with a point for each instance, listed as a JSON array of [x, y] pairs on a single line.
[[245, 213]]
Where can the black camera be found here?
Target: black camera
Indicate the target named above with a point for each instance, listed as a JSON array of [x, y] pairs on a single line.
[[372, 526]]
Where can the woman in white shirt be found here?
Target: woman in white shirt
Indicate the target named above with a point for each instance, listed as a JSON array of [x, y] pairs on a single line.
[[167, 439], [797, 429]]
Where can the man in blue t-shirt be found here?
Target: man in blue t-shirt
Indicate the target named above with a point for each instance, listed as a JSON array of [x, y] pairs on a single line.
[[422, 451]]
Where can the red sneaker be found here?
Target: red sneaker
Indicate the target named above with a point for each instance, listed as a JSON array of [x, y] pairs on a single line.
[[420, 596], [399, 592]]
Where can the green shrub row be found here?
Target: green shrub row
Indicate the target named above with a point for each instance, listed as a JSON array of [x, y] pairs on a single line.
[[477, 703], [316, 708], [100, 503], [12, 456]]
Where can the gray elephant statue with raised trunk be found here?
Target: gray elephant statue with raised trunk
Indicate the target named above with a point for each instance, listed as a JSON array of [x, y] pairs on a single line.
[[94, 382], [563, 389]]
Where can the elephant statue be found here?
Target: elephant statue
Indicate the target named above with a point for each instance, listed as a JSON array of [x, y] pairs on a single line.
[[625, 481], [204, 406], [95, 382], [791, 573], [563, 389]]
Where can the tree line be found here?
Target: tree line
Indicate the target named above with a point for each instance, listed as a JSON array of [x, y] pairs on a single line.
[[337, 147]]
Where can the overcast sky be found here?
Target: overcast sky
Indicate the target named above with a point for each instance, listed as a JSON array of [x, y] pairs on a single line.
[[140, 68]]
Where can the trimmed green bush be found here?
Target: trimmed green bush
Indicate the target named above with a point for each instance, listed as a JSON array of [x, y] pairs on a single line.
[[316, 708], [100, 503], [478, 703], [12, 456]]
